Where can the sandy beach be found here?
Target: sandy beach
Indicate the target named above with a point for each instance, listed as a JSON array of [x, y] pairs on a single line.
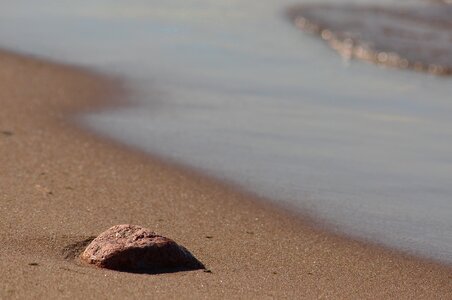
[[59, 185]]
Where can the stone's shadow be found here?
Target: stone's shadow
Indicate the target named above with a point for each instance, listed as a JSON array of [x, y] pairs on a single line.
[[157, 271], [162, 263]]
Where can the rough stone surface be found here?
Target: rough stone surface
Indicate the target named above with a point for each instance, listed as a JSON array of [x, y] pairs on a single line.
[[133, 248], [417, 37]]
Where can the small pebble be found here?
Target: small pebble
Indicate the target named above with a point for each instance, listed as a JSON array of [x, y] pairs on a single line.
[[7, 133]]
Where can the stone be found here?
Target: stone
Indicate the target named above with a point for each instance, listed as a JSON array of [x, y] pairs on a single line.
[[7, 133], [132, 248], [416, 37]]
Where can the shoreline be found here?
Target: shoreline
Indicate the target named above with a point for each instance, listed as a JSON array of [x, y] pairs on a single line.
[[69, 184]]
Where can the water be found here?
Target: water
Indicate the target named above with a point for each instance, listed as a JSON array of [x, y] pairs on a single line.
[[233, 89], [418, 37]]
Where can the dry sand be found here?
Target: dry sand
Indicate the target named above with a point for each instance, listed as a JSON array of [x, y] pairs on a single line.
[[60, 185]]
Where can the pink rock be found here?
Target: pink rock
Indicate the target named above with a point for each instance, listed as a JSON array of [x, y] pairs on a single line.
[[136, 249]]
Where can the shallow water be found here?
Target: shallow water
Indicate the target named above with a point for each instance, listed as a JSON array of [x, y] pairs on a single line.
[[418, 37], [232, 88]]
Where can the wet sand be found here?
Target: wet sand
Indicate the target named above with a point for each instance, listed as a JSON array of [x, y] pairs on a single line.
[[59, 185]]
